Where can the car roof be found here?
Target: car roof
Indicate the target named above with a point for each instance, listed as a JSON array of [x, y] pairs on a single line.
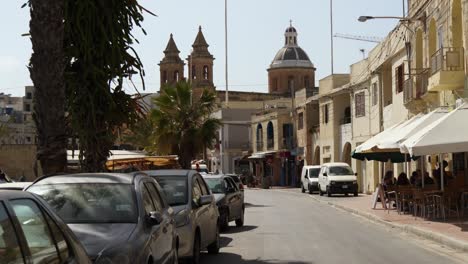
[[312, 166], [176, 173], [335, 164], [88, 178], [14, 185], [14, 194], [214, 176]]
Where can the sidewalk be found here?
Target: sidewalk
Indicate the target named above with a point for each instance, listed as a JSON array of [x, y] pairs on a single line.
[[452, 233]]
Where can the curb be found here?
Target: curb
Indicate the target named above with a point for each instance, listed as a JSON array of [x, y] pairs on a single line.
[[420, 232]]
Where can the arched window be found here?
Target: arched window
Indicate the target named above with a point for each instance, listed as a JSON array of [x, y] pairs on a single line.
[[205, 72], [176, 76], [194, 72], [259, 137], [306, 82], [270, 136], [164, 76]]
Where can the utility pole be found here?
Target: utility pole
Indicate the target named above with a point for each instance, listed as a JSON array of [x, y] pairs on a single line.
[[226, 50], [331, 34]]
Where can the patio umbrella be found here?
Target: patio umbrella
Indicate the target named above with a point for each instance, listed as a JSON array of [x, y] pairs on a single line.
[[449, 134]]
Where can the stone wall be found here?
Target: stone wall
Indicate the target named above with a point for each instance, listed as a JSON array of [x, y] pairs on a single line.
[[18, 160]]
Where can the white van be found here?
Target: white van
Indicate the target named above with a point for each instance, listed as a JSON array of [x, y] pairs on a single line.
[[337, 177], [309, 178]]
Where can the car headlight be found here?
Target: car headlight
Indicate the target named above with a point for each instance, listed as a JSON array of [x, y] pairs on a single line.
[[182, 218]]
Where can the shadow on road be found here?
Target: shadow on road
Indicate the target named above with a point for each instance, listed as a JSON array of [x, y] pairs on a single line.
[[234, 230], [249, 205], [224, 241], [230, 258]]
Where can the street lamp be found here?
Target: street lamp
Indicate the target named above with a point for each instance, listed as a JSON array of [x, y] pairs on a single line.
[[365, 18]]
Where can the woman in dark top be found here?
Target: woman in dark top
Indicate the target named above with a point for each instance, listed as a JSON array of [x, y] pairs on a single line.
[[402, 179]]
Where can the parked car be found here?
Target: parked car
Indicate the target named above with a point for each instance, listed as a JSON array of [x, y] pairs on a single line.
[[195, 211], [337, 178], [309, 178], [19, 186], [229, 199], [32, 233], [119, 218], [236, 178]]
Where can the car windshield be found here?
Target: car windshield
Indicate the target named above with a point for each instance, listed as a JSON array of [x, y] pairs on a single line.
[[313, 173], [90, 202], [175, 189], [216, 185], [340, 170]]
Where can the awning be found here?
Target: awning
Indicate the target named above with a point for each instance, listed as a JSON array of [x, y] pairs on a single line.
[[386, 145], [261, 155], [449, 134]]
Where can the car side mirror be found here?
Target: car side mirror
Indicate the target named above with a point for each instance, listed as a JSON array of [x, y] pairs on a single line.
[[154, 218], [355, 174], [205, 199], [325, 174]]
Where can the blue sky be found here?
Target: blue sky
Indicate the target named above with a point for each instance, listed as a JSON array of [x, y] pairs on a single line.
[[255, 35]]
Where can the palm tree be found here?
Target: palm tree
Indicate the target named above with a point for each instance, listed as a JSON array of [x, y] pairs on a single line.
[[46, 68], [183, 127]]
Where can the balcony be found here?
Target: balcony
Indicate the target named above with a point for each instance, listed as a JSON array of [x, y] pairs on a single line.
[[447, 70]]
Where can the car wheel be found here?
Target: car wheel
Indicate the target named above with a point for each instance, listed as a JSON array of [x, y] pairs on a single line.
[[195, 259], [310, 189], [346, 194], [320, 191], [355, 194], [224, 222], [329, 194], [302, 188], [213, 248], [240, 221]]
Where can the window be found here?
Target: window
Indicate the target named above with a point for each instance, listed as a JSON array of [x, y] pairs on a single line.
[[291, 85], [196, 191], [27, 107], [9, 249], [399, 78], [325, 114], [175, 189], [59, 238], [275, 84], [205, 73], [306, 82], [300, 121], [374, 94], [90, 202], [216, 185], [157, 202], [35, 229], [147, 201], [203, 187], [28, 95], [360, 104], [164, 76], [194, 72]]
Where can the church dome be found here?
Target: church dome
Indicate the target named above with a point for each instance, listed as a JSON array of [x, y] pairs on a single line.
[[291, 55]]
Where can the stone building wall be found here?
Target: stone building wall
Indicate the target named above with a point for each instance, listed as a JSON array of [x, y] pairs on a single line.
[[18, 160]]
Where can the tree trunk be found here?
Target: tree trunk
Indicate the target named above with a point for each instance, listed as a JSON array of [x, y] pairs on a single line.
[[46, 68]]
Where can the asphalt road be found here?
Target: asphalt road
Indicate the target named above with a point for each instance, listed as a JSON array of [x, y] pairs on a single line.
[[286, 226]]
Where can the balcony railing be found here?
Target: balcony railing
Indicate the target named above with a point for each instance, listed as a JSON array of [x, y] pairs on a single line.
[[422, 81], [447, 59]]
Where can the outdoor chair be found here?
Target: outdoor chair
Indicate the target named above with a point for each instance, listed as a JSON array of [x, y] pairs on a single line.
[[419, 203], [391, 197], [404, 198]]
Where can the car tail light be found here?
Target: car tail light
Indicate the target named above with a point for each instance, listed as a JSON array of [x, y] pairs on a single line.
[[241, 186]]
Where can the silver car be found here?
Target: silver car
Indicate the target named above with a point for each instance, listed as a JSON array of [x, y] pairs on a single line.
[[195, 211]]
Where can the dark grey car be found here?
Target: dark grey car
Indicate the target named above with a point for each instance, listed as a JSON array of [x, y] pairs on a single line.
[[195, 211], [32, 233], [229, 199], [119, 218]]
